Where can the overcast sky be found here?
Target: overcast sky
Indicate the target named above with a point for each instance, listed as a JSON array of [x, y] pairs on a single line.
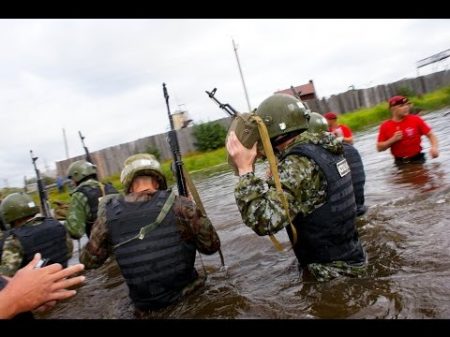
[[104, 77]]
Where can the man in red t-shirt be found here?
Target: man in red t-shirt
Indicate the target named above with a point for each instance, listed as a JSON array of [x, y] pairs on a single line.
[[341, 131], [402, 133]]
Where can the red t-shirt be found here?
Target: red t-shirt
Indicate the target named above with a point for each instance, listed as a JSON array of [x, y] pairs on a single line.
[[413, 128], [343, 130]]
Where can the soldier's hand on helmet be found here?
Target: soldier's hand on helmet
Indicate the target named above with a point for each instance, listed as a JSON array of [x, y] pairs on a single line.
[[242, 157]]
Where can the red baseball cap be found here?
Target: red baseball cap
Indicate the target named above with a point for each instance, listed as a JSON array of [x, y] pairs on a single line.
[[330, 115], [397, 100]]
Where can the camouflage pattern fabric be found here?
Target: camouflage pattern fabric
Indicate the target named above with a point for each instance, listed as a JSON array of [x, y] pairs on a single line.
[[13, 252], [79, 211], [60, 209], [329, 271], [304, 186]]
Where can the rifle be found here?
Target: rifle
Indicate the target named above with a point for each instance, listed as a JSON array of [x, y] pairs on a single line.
[[88, 155], [45, 209], [175, 148], [181, 179], [227, 107]]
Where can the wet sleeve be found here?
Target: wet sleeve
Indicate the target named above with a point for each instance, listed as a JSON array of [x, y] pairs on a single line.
[[199, 226]]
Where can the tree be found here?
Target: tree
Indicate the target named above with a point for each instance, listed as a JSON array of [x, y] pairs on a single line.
[[209, 136]]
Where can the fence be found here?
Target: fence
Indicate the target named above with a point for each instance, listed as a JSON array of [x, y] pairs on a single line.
[[110, 160]]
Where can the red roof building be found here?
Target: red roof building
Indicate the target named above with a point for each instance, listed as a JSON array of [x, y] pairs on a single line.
[[306, 91]]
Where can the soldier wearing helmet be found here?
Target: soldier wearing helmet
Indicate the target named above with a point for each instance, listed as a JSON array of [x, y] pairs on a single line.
[[154, 236], [30, 233], [318, 124], [83, 208], [316, 181]]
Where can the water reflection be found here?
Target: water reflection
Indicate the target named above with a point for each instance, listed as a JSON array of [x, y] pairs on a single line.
[[422, 177]]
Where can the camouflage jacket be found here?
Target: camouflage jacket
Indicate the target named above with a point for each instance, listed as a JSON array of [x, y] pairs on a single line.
[[191, 223], [303, 183], [304, 186], [13, 252], [79, 210]]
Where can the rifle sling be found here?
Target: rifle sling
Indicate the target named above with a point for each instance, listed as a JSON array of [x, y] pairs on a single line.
[[148, 228], [264, 135]]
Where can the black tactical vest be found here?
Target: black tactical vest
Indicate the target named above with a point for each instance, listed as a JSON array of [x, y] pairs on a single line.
[[157, 267], [328, 233], [358, 175], [47, 238], [93, 194]]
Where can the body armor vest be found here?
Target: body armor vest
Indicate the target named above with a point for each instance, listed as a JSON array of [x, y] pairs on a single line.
[[93, 194], [358, 175], [328, 233], [159, 266], [47, 238]]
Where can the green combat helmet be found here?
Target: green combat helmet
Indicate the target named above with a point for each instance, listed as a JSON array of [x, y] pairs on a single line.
[[283, 115], [139, 165], [17, 206], [81, 169], [317, 123]]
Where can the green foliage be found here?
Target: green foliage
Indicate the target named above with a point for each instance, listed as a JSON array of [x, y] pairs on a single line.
[[433, 100], [209, 136], [197, 162], [405, 91], [45, 179], [154, 151], [364, 118]]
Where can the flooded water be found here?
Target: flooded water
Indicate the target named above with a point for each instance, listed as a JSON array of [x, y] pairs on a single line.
[[406, 233]]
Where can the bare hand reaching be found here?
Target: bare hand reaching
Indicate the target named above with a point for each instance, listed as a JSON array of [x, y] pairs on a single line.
[[32, 288]]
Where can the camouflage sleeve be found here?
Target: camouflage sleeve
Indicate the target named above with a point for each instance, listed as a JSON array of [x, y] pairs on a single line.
[[259, 204], [197, 226], [77, 215], [12, 256], [97, 249]]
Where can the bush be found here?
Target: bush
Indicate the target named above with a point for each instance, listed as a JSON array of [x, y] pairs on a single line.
[[405, 91], [154, 151], [209, 136]]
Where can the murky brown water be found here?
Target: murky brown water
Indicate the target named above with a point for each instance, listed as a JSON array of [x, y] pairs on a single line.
[[406, 234]]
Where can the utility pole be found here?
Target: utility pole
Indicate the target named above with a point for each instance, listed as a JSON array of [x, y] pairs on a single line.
[[65, 143], [242, 76]]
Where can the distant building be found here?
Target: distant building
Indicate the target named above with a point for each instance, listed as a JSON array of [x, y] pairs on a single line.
[[306, 91], [180, 119]]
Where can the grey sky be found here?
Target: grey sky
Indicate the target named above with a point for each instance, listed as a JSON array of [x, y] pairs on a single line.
[[104, 77]]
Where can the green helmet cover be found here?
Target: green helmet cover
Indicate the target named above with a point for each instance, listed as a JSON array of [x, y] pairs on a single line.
[[142, 164], [17, 206], [81, 169], [283, 114], [317, 123]]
